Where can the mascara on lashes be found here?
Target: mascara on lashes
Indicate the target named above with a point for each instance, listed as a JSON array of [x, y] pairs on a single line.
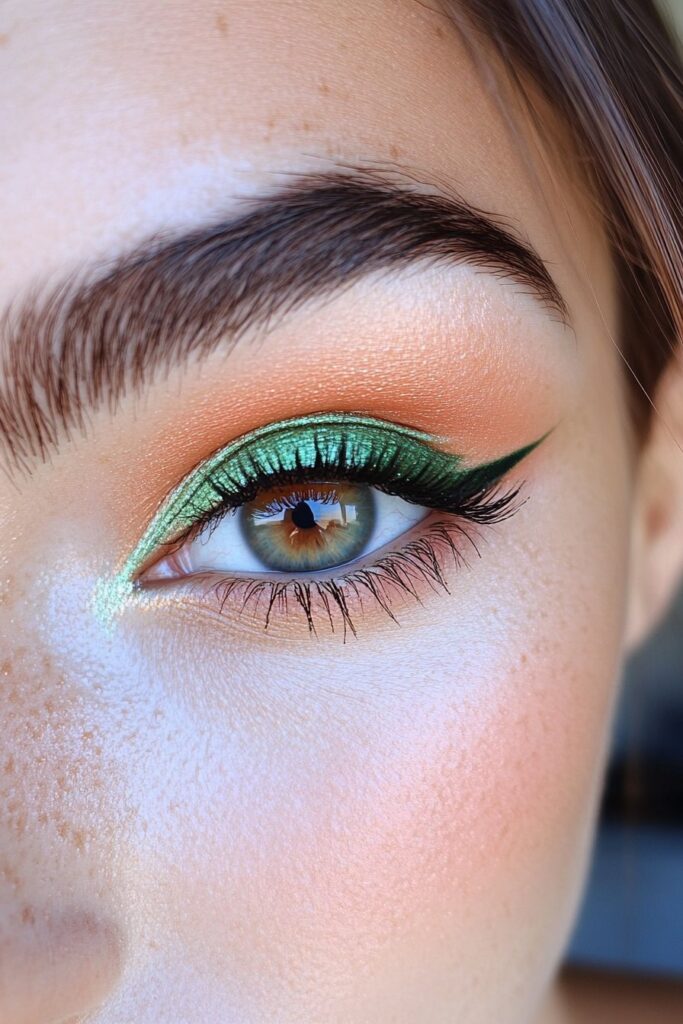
[[401, 459]]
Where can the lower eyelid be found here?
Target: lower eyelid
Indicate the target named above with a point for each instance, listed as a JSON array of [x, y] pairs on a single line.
[[438, 544]]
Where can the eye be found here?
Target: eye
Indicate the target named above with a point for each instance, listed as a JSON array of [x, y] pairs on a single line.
[[275, 512], [297, 529]]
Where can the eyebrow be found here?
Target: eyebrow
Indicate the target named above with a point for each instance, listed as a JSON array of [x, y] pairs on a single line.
[[113, 328]]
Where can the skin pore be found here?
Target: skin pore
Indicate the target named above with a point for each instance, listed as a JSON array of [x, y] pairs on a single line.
[[205, 821]]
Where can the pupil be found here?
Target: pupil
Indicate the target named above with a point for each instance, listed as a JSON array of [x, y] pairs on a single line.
[[302, 516], [309, 527]]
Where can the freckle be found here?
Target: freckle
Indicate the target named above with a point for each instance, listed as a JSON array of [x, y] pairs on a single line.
[[4, 38], [8, 767], [62, 830], [221, 23], [306, 127], [47, 662], [439, 32], [28, 915], [394, 152], [79, 840], [6, 667], [10, 876], [324, 89]]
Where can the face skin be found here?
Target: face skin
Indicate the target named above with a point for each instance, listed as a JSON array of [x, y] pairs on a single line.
[[201, 820]]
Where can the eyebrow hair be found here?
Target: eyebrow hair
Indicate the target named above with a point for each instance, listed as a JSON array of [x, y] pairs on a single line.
[[115, 327]]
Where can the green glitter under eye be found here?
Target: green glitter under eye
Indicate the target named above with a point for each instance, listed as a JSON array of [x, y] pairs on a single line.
[[320, 447]]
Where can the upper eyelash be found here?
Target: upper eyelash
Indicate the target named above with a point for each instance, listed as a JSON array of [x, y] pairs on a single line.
[[469, 498], [480, 507]]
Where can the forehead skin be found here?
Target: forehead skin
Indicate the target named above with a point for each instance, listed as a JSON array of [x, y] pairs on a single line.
[[225, 848], [155, 114]]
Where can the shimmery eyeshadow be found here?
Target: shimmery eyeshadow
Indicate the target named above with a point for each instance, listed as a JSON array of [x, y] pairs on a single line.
[[403, 460]]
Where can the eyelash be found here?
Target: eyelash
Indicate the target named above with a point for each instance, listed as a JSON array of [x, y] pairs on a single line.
[[483, 504], [400, 571]]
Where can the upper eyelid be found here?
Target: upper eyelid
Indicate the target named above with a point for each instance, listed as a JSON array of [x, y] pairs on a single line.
[[188, 488], [367, 429]]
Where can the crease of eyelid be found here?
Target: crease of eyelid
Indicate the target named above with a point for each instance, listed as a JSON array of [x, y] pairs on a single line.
[[113, 327], [111, 593]]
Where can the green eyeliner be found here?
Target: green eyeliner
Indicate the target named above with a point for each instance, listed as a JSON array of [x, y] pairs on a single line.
[[345, 446]]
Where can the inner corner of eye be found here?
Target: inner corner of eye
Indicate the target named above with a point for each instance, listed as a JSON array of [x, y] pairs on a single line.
[[157, 565]]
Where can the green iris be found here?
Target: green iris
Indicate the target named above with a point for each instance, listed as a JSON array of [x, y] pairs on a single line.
[[309, 528]]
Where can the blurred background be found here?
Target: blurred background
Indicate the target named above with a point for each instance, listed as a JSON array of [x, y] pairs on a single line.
[[625, 961], [632, 918], [631, 926]]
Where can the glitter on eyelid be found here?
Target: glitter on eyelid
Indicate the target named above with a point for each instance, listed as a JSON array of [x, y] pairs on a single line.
[[281, 452], [284, 446]]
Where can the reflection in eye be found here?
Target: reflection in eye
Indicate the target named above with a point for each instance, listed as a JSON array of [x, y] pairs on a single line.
[[302, 528], [309, 528]]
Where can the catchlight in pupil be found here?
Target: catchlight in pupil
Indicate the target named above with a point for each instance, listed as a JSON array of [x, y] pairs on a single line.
[[309, 527]]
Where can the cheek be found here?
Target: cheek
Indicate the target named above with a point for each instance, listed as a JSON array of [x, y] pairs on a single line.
[[383, 857], [380, 828], [61, 945], [291, 824]]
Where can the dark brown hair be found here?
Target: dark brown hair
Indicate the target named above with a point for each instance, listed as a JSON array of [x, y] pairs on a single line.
[[613, 72]]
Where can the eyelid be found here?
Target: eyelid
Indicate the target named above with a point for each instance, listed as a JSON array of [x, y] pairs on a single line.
[[257, 447], [289, 448]]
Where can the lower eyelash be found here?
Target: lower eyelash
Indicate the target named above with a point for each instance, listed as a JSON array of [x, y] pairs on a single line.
[[420, 561]]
